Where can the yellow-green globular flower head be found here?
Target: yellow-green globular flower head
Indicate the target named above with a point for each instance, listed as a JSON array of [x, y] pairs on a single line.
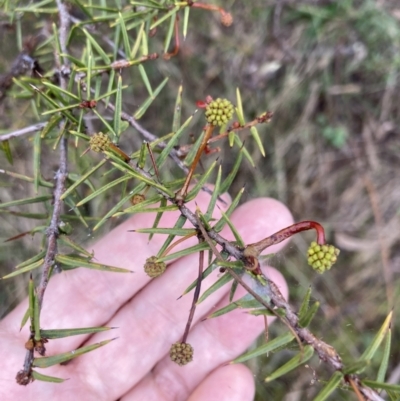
[[181, 353], [99, 142], [322, 257], [219, 111], [154, 268]]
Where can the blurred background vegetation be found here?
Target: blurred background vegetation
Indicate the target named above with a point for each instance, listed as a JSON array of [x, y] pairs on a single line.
[[329, 70]]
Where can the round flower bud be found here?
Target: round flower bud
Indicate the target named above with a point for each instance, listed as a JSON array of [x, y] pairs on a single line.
[[137, 198], [321, 258], [226, 18], [154, 268], [99, 142], [181, 353], [219, 111]]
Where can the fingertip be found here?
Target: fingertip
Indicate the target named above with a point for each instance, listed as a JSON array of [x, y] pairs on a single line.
[[261, 217], [226, 383]]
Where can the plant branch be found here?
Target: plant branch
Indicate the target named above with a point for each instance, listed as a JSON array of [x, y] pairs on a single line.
[[196, 294], [147, 135], [53, 230], [181, 194], [61, 175], [239, 279], [326, 352], [24, 376], [63, 30], [236, 127], [23, 131]]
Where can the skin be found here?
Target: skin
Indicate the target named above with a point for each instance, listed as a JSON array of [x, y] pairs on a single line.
[[148, 317]]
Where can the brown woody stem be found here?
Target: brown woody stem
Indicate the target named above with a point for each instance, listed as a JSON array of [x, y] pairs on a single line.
[[264, 118], [24, 376], [195, 296], [181, 194], [180, 240], [153, 162]]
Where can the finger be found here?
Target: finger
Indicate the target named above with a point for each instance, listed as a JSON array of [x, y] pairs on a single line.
[[217, 340], [227, 383], [82, 298], [154, 319], [147, 326], [144, 336]]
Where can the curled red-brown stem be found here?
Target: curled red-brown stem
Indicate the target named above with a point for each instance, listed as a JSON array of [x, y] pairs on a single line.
[[226, 18], [254, 250]]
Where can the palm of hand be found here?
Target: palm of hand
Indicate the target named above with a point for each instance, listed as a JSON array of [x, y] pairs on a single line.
[[149, 319]]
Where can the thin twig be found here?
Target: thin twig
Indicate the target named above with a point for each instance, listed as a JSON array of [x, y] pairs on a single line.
[[61, 175], [360, 388], [23, 131], [207, 134], [195, 296], [355, 389], [239, 279], [53, 231], [148, 136], [24, 376], [64, 29]]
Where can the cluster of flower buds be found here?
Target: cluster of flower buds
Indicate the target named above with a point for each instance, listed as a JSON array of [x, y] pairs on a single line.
[[154, 268], [137, 198], [322, 257], [219, 111], [99, 142], [181, 353]]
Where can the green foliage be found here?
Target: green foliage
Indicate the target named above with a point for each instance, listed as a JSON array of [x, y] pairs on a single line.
[[298, 360], [48, 361], [111, 71]]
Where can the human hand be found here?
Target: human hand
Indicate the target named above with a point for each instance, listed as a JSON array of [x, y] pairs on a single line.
[[149, 318]]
